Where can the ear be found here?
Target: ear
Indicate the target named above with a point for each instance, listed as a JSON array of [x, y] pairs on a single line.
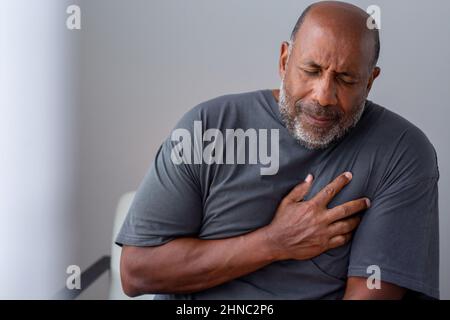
[[284, 52], [375, 73]]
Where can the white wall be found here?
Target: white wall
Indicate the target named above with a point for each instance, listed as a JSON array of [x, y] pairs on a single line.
[[37, 102]]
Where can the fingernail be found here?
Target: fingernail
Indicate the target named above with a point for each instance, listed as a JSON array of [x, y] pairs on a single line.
[[368, 202], [348, 175], [309, 178]]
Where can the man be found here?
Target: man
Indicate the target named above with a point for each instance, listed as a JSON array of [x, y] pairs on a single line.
[[369, 200]]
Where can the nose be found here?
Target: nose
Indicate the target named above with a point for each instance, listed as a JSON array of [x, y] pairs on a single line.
[[325, 91]]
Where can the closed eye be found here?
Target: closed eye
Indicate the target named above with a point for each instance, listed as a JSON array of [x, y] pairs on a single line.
[[311, 72], [347, 81]]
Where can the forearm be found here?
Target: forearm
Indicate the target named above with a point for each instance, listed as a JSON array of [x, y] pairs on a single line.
[[188, 264]]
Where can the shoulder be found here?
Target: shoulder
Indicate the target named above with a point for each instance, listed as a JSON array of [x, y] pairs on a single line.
[[230, 100], [405, 147], [230, 106]]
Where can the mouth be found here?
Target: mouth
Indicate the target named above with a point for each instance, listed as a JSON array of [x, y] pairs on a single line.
[[319, 121]]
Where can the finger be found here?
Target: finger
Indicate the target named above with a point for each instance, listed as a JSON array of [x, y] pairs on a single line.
[[343, 226], [300, 191], [347, 209], [339, 240], [325, 195]]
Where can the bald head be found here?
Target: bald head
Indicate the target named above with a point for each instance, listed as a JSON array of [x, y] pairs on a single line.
[[344, 20], [327, 72]]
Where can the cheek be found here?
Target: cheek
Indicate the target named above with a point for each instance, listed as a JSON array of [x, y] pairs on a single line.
[[297, 87], [349, 102]]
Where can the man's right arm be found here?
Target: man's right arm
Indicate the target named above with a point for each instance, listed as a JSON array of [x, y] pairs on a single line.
[[300, 230], [189, 264]]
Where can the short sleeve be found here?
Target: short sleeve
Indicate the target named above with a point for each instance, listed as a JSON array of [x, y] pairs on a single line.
[[399, 233], [167, 204]]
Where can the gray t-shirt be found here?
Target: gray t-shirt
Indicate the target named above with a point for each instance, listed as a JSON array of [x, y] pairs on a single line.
[[392, 162]]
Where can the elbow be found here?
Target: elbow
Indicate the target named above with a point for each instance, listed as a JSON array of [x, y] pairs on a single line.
[[133, 279], [128, 279], [130, 290], [129, 286]]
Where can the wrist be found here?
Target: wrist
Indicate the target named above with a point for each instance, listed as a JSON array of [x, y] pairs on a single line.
[[273, 249]]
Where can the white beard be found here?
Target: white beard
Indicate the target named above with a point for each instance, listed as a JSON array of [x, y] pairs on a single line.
[[314, 138]]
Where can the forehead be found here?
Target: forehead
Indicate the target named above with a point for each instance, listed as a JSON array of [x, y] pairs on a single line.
[[333, 44]]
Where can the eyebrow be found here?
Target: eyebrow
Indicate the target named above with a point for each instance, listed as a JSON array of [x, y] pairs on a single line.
[[313, 64]]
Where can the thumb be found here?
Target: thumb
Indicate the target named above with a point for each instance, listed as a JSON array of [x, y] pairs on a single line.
[[300, 190]]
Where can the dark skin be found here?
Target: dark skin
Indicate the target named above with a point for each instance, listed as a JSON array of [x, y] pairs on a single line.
[[331, 58], [331, 63], [300, 229]]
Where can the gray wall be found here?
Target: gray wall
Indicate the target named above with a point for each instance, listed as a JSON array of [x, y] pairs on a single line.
[[144, 63]]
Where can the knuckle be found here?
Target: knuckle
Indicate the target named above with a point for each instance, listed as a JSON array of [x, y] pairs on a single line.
[[284, 202], [341, 212], [314, 207], [329, 190], [312, 222], [338, 226], [339, 240], [345, 211], [342, 239], [324, 244], [309, 206], [345, 225]]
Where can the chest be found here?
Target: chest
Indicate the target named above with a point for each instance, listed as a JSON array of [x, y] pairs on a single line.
[[238, 199]]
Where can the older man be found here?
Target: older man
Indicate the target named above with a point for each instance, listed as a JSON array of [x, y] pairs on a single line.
[[367, 208]]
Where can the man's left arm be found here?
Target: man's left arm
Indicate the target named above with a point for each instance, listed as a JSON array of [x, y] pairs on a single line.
[[399, 234], [357, 289]]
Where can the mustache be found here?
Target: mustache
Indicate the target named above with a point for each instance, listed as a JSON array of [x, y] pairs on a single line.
[[315, 109]]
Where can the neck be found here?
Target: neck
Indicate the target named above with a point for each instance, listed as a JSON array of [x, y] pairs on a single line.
[[276, 94]]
